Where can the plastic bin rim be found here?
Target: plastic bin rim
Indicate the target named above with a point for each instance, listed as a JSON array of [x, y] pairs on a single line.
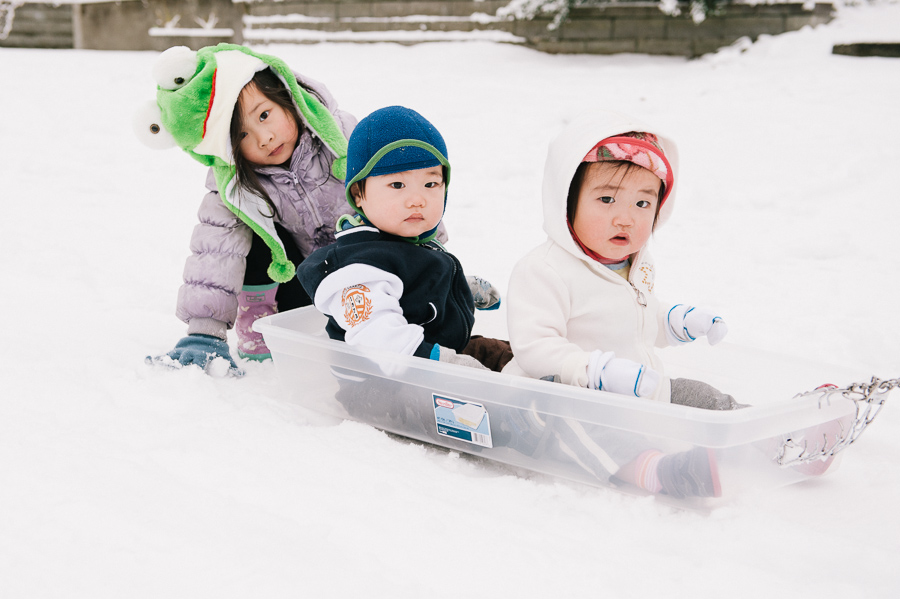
[[269, 325]]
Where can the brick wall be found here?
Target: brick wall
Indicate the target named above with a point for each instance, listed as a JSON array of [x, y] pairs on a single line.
[[643, 28], [40, 26], [606, 29], [142, 24]]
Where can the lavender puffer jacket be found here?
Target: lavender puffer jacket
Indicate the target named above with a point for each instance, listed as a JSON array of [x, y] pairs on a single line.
[[309, 200]]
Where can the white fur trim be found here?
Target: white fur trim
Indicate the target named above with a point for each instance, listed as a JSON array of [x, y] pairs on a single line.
[[234, 70]]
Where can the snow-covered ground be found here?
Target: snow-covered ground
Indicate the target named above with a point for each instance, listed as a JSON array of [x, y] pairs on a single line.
[[119, 480]]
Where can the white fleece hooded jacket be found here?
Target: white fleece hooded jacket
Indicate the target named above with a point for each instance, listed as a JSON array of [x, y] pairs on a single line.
[[561, 304]]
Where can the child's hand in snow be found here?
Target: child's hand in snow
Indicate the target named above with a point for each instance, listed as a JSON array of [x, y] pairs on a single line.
[[198, 350]]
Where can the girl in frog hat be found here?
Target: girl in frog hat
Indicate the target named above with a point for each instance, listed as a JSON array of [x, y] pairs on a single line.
[[276, 145]]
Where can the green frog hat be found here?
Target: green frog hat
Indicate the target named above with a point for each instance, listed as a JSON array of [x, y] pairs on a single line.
[[195, 98]]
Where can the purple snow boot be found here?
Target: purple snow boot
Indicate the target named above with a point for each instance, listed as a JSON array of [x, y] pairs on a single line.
[[254, 301]]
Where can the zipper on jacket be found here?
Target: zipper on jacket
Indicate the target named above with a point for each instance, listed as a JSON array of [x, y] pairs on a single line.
[[642, 324], [458, 303], [317, 218], [639, 296]]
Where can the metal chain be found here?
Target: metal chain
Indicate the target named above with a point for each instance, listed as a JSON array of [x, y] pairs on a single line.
[[868, 398]]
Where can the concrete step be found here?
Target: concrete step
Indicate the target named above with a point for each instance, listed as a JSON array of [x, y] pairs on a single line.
[[41, 26], [399, 36], [377, 21], [886, 50], [49, 41], [50, 28], [370, 24], [348, 9]]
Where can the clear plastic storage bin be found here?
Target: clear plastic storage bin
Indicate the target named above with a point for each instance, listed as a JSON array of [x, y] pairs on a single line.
[[532, 424]]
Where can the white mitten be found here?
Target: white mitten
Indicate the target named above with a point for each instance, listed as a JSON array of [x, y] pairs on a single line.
[[445, 354], [485, 295], [686, 323], [606, 372]]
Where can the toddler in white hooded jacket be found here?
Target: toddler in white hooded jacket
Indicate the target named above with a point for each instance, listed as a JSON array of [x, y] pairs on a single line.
[[582, 308], [582, 305]]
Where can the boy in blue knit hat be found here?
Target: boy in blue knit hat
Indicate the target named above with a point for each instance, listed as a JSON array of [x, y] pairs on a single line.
[[386, 282]]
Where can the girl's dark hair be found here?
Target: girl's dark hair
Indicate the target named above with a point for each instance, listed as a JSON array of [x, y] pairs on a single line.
[[621, 166], [269, 85]]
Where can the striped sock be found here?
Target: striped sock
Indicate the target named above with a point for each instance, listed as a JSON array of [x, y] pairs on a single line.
[[641, 471]]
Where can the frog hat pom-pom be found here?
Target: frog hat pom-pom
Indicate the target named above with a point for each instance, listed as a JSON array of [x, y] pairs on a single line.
[[195, 98]]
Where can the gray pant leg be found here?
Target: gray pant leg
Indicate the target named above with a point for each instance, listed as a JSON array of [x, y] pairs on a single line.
[[600, 450], [697, 394]]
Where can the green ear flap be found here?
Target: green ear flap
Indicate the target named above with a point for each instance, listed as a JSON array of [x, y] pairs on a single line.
[[339, 167]]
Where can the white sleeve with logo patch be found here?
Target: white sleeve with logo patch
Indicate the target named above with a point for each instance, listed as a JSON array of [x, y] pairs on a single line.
[[365, 302]]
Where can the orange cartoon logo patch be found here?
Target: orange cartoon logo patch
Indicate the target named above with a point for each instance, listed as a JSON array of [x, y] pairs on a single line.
[[357, 305], [646, 271]]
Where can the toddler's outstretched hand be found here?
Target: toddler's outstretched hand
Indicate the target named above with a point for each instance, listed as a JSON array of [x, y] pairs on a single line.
[[686, 323], [606, 372], [199, 350], [485, 295]]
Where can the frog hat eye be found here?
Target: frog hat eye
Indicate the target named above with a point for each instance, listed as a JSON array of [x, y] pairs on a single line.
[[175, 67], [147, 124]]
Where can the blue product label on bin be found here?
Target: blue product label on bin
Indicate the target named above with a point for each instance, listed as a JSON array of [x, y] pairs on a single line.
[[463, 420]]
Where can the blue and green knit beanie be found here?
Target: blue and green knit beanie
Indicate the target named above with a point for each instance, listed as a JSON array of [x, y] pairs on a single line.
[[392, 140]]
